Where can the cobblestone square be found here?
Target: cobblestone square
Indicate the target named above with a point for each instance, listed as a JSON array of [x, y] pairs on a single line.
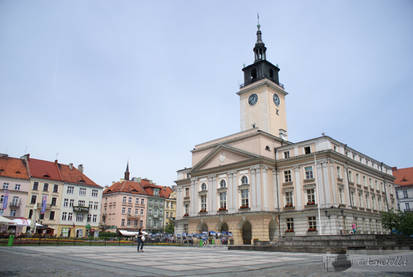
[[159, 261]]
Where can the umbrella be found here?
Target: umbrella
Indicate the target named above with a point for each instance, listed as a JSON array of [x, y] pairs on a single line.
[[4, 220]]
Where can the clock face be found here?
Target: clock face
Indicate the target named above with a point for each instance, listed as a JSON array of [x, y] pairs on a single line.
[[276, 99], [253, 99]]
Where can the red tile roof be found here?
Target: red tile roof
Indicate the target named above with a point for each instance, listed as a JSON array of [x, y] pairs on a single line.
[[404, 176], [71, 174], [166, 191], [13, 168], [44, 169], [144, 187]]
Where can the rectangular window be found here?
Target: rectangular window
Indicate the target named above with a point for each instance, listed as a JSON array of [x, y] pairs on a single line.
[[141, 223], [30, 213], [308, 172], [81, 203], [51, 216], [90, 204], [15, 201], [367, 201], [352, 199], [310, 197], [142, 201], [186, 192], [79, 217], [407, 206], [341, 195], [137, 201], [361, 200], [142, 211], [33, 201], [64, 215], [89, 217], [405, 195], [5, 186], [123, 210], [364, 180], [71, 203], [54, 199], [287, 176], [70, 190], [82, 191], [244, 198], [350, 176], [203, 203], [35, 185], [129, 211], [357, 178], [123, 222], [307, 150], [124, 200], [223, 200], [94, 193], [290, 224], [136, 212], [373, 202], [312, 223], [41, 216], [289, 199], [95, 218], [339, 172], [55, 188], [45, 187], [69, 216], [95, 206], [17, 187], [12, 212], [286, 154]]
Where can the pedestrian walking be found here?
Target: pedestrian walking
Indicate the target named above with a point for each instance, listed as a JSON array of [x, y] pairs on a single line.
[[141, 239]]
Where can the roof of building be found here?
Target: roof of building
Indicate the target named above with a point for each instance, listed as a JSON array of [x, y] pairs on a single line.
[[404, 176], [71, 174], [13, 168], [44, 169], [166, 192], [144, 186]]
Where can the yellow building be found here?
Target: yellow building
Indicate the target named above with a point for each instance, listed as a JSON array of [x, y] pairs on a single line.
[[259, 185]]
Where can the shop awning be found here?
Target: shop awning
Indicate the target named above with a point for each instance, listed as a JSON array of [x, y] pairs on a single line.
[[5, 220]]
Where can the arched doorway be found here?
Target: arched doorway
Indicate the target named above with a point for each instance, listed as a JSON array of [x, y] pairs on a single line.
[[224, 227], [246, 232], [272, 229], [203, 228]]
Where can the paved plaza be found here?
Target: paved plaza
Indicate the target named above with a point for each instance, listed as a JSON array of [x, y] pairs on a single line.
[[158, 261]]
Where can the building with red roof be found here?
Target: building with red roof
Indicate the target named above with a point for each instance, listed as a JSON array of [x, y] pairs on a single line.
[[14, 189], [404, 187]]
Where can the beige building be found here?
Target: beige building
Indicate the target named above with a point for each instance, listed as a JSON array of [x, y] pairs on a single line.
[[258, 185], [170, 207]]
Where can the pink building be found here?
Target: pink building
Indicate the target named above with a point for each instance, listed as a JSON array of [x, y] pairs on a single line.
[[14, 187]]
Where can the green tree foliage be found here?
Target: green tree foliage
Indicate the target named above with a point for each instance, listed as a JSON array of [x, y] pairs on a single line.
[[399, 221], [170, 228]]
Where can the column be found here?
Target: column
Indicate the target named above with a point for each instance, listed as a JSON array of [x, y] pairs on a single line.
[[229, 192], [320, 191], [326, 186], [193, 210], [259, 196], [179, 201], [214, 195], [266, 194], [235, 206], [276, 190], [253, 190], [333, 185], [298, 189], [210, 193]]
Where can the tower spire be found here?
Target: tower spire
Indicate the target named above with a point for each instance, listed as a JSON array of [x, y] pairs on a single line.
[[127, 172], [259, 49]]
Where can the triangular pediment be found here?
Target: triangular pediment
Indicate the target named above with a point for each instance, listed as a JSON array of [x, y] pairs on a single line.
[[223, 155]]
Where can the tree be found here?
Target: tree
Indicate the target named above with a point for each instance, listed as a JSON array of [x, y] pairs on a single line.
[[170, 228], [401, 222]]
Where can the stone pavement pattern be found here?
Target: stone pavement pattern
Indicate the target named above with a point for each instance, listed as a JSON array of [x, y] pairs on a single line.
[[158, 261]]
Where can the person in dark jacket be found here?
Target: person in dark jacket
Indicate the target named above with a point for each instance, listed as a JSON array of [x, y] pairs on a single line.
[[141, 239]]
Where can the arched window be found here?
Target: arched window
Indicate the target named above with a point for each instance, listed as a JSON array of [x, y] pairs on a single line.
[[244, 180], [203, 187], [253, 74], [223, 184]]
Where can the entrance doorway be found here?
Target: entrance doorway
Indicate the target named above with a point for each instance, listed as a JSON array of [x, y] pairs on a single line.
[[224, 228], [246, 232], [272, 229], [203, 228]]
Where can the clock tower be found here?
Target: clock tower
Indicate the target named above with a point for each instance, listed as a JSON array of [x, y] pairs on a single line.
[[262, 97]]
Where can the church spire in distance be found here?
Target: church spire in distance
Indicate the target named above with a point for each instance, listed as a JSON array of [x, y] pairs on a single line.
[[127, 172]]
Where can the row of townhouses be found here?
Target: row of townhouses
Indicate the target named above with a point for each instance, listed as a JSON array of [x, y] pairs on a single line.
[[60, 200], [49, 197]]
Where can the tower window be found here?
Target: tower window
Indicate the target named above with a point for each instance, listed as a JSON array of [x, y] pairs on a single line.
[[253, 74], [271, 74]]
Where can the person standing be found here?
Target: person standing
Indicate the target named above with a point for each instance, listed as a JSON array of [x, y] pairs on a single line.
[[141, 239]]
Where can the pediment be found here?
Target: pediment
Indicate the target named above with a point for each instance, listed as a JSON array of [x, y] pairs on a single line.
[[223, 155]]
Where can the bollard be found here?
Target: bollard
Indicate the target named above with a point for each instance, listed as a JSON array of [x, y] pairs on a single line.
[[11, 239]]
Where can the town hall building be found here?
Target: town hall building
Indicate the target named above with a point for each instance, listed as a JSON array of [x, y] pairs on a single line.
[[257, 184]]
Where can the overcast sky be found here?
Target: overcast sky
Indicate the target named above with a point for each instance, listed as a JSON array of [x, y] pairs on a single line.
[[104, 82]]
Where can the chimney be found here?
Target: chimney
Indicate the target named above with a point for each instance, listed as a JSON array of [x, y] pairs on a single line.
[[394, 168], [80, 168], [71, 166]]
